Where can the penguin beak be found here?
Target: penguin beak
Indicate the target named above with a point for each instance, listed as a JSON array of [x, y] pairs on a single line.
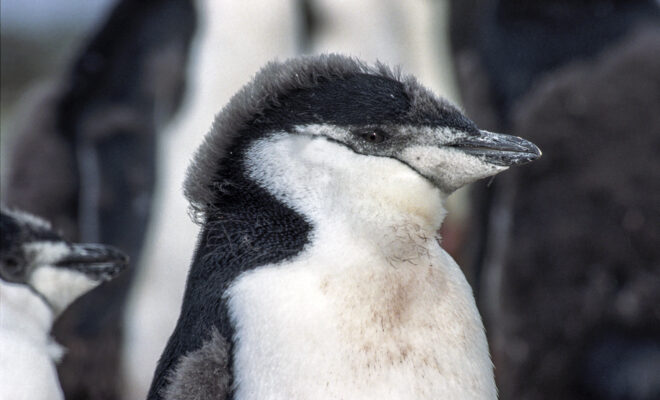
[[98, 262], [455, 158], [498, 149]]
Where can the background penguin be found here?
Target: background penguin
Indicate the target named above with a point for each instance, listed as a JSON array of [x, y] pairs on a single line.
[[580, 79], [40, 275], [317, 273], [85, 159]]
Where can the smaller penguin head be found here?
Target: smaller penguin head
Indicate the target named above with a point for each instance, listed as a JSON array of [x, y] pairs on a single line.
[[33, 254]]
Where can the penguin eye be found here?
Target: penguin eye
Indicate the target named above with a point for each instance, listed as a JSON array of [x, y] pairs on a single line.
[[373, 135], [12, 269]]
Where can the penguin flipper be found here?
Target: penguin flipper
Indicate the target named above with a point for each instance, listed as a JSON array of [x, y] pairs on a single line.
[[202, 373]]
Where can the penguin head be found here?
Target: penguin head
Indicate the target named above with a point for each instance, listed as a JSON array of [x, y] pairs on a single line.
[[369, 110], [34, 255]]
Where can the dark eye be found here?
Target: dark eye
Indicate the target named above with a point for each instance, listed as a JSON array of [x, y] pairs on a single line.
[[373, 135], [12, 269]]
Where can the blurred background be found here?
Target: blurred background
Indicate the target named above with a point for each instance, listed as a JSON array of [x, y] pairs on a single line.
[[103, 103]]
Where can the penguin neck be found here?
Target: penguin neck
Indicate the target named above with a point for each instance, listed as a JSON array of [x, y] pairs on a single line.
[[331, 185], [246, 228], [24, 313]]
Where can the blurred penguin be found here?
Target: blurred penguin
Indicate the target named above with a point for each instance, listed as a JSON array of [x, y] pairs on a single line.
[[85, 158], [40, 275], [572, 309]]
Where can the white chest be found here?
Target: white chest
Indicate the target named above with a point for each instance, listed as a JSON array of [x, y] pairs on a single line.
[[350, 321], [373, 308], [27, 354]]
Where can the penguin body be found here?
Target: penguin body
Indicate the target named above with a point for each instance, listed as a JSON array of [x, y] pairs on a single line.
[[371, 301], [320, 191]]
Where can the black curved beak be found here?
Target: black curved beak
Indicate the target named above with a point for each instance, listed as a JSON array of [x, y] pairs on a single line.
[[498, 149], [98, 262]]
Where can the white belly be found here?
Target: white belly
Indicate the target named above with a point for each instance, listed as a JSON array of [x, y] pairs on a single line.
[[331, 326]]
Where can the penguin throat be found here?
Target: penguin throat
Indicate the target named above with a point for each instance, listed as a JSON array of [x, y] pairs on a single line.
[[246, 228], [328, 182]]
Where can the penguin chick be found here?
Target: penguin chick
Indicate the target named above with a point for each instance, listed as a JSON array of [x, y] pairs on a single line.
[[318, 273], [40, 275]]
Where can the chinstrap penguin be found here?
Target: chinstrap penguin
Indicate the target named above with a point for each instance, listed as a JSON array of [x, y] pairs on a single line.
[[40, 275], [318, 272]]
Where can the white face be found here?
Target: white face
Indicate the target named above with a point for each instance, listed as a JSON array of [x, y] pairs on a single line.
[[327, 181], [428, 151], [59, 286], [450, 168]]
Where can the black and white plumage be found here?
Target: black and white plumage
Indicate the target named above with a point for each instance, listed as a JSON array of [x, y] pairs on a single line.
[[320, 189], [40, 275]]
